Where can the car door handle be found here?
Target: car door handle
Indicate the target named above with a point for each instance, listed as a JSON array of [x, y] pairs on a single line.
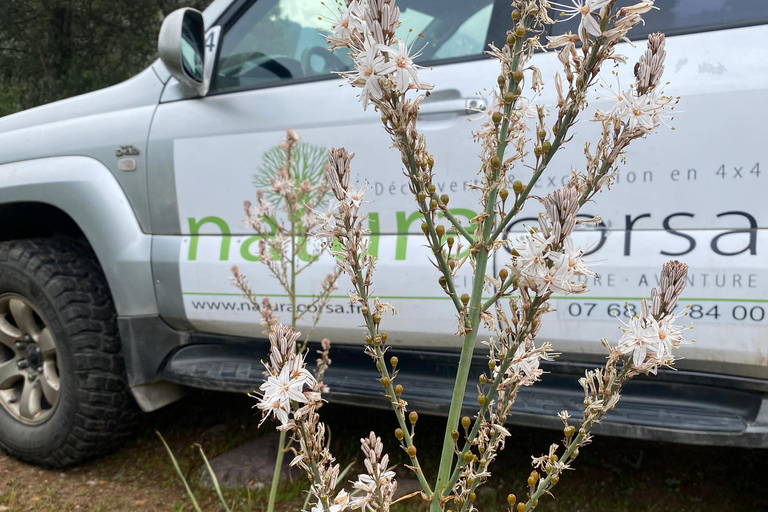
[[453, 106]]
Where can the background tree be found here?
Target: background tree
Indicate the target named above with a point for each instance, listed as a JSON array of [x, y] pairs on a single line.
[[53, 49]]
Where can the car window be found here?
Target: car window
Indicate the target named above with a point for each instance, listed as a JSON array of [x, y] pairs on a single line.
[[278, 40], [686, 16]]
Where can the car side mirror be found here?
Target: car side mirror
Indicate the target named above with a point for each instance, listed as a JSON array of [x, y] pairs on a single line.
[[181, 45]]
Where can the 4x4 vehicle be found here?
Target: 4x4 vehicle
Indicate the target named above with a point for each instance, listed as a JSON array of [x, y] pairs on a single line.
[[120, 218]]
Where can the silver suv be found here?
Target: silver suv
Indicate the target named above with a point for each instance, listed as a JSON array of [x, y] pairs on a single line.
[[121, 217]]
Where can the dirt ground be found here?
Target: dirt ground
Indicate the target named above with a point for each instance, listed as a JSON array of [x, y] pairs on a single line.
[[611, 475]]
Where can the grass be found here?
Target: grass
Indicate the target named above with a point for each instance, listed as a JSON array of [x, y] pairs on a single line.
[[613, 474]]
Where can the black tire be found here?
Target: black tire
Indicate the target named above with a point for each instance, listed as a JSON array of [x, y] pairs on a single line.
[[95, 412]]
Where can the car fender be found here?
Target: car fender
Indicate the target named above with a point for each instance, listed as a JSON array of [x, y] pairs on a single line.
[[87, 191]]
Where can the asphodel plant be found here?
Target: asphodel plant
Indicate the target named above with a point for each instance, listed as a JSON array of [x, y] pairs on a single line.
[[284, 220], [544, 259]]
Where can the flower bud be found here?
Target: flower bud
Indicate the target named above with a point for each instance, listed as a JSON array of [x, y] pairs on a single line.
[[466, 422], [511, 39], [424, 227], [440, 230], [481, 399], [399, 434], [554, 458], [455, 435], [464, 298], [443, 282], [520, 31], [569, 430], [385, 381], [546, 146], [444, 198], [393, 360], [433, 205], [368, 340], [503, 194], [431, 188], [518, 76], [384, 336], [531, 481], [521, 507], [511, 499], [496, 117], [495, 162], [503, 273], [398, 390], [483, 379], [422, 196], [517, 187], [472, 496], [501, 80], [452, 263], [468, 457], [509, 97], [491, 364], [450, 241], [515, 15], [537, 151], [413, 417], [542, 135], [411, 451]]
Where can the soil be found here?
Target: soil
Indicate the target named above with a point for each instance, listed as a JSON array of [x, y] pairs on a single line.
[[611, 475]]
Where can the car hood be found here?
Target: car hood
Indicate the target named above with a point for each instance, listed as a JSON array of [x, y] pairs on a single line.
[[140, 90]]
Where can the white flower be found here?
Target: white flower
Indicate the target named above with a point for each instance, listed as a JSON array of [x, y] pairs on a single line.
[[525, 364], [326, 220], [556, 278], [365, 75], [280, 390], [669, 336], [400, 66], [531, 251], [639, 112], [572, 257], [642, 341], [356, 196], [584, 8]]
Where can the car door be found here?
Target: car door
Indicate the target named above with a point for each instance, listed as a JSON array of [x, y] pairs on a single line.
[[693, 193], [274, 73]]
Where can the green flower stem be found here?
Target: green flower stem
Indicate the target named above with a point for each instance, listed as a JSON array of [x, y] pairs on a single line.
[[468, 347], [565, 123], [456, 224], [604, 169], [546, 483], [276, 472], [492, 391], [382, 367], [499, 293], [434, 240]]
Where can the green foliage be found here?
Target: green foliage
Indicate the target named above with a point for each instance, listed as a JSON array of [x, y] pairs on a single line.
[[53, 49]]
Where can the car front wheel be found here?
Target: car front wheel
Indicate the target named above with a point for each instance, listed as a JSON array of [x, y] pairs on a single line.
[[64, 395]]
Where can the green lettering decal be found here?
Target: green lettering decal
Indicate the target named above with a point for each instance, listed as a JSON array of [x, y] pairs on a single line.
[[245, 249], [374, 226], [403, 227], [301, 251], [194, 230]]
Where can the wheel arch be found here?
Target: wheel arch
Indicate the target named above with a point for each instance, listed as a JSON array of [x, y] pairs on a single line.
[[78, 197]]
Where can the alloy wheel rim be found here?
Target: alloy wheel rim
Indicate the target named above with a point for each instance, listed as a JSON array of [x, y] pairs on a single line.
[[29, 365]]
